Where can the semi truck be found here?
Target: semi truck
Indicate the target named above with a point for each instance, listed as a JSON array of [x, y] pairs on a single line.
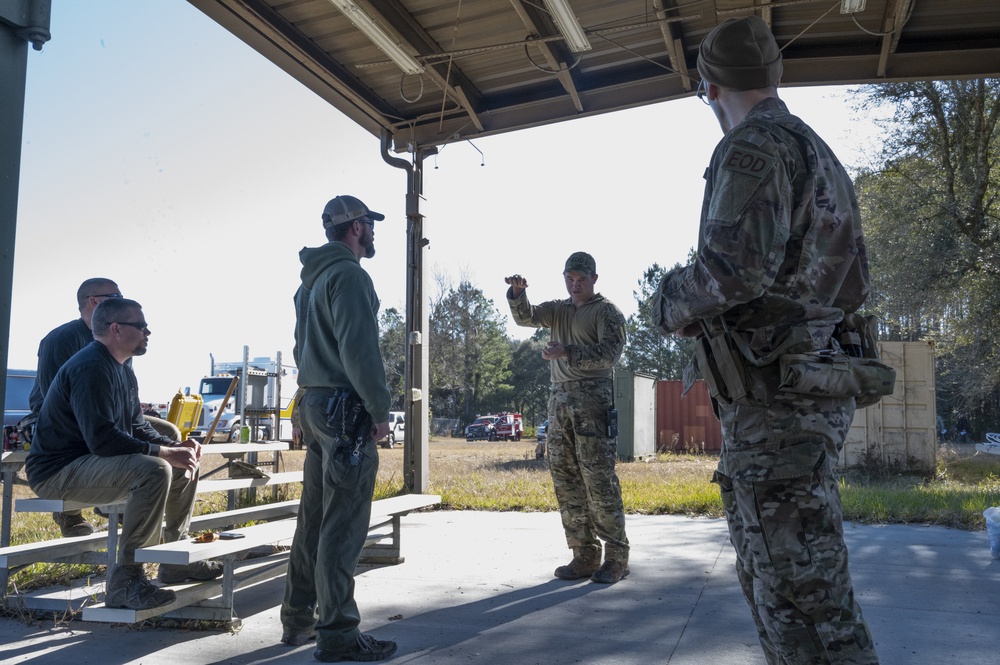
[[269, 387]]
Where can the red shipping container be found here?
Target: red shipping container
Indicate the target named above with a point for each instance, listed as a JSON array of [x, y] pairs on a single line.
[[688, 423]]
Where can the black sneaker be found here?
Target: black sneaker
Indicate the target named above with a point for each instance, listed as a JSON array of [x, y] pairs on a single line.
[[366, 650], [72, 525], [129, 589], [199, 571]]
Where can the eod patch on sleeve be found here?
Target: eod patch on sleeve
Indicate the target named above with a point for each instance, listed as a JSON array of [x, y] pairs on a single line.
[[748, 162]]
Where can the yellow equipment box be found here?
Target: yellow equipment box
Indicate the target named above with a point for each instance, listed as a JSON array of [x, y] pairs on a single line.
[[185, 410]]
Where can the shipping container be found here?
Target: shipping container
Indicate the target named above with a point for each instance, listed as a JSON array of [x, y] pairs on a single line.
[[635, 402], [900, 430], [687, 424]]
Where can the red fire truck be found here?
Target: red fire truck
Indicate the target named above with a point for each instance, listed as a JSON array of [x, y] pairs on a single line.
[[510, 426]]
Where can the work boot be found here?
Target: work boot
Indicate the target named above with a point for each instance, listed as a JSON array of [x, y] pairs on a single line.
[[365, 650], [610, 572], [72, 525], [199, 571], [294, 639], [585, 561], [129, 589]]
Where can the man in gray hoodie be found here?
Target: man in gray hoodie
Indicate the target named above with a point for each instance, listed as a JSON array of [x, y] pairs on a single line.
[[344, 410]]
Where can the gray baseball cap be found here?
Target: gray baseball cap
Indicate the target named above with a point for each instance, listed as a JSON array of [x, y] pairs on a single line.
[[343, 209]]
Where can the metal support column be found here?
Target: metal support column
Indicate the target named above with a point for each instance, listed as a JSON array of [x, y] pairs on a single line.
[[416, 397], [21, 21]]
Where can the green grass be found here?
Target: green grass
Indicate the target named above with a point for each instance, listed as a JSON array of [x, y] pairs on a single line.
[[963, 486], [506, 477]]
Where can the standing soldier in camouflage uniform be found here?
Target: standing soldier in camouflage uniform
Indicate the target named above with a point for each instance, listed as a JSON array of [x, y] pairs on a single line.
[[780, 259], [588, 334]]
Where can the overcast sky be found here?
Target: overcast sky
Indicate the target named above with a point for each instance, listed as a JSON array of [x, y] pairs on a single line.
[[162, 152]]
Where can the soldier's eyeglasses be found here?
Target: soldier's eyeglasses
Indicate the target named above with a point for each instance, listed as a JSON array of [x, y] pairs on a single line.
[[702, 92], [107, 295]]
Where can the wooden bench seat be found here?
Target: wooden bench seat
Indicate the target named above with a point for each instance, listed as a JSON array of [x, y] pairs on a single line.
[[100, 548], [213, 600], [93, 549], [204, 487]]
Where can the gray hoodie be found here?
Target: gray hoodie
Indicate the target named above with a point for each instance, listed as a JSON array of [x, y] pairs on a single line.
[[336, 327]]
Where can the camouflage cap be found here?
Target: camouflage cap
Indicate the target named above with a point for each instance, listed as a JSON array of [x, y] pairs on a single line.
[[581, 262], [740, 54], [343, 209]]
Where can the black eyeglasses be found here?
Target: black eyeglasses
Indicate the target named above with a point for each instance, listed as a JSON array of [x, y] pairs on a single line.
[[106, 295], [138, 325], [366, 220], [702, 92]]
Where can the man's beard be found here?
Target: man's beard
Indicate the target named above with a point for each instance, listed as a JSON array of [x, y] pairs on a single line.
[[139, 350], [369, 248]]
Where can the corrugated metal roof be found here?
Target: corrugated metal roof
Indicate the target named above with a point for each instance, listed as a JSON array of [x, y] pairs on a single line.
[[494, 66]]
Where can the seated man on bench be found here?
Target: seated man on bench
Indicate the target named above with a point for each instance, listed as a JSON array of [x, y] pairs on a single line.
[[92, 445]]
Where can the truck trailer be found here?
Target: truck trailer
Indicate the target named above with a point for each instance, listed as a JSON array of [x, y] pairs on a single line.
[[268, 388]]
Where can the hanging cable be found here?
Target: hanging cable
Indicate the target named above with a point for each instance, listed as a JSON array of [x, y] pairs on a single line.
[[447, 76], [482, 157], [546, 70], [803, 31], [419, 94], [854, 17]]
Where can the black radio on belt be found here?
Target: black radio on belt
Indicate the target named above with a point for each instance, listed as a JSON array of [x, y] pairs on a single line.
[[612, 423]]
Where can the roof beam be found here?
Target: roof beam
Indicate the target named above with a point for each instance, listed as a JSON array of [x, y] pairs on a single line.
[[534, 20], [673, 39], [764, 11], [896, 13], [453, 82]]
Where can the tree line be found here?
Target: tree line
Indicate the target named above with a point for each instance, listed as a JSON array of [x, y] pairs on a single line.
[[930, 210], [929, 202]]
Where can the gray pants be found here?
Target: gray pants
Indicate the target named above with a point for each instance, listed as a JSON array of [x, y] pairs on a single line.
[[331, 531], [153, 491]]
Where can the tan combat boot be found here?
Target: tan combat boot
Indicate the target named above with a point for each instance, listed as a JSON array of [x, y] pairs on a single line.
[[586, 561], [611, 572]]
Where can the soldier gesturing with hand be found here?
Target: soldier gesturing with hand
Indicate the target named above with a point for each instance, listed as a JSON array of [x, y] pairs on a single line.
[[517, 284], [588, 334]]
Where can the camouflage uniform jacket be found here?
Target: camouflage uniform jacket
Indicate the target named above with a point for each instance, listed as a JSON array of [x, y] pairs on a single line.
[[594, 334], [780, 242]]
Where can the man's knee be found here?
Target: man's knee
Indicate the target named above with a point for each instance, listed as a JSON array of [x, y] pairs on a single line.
[[164, 427], [152, 472]]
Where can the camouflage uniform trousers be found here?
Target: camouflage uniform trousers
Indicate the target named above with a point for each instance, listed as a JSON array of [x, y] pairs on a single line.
[[783, 508], [582, 462]]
